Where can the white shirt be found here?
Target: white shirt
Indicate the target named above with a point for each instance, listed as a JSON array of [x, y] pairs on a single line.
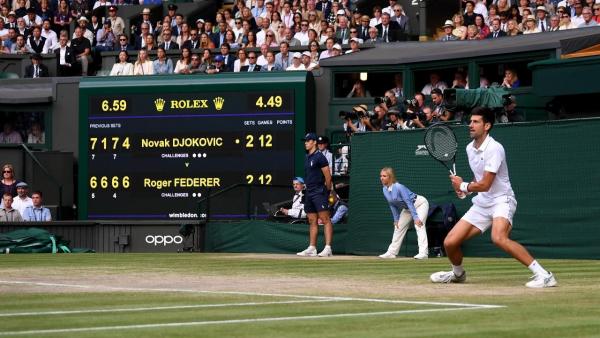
[[120, 69], [292, 67], [490, 157], [261, 60], [21, 204], [237, 65], [302, 37], [51, 39], [63, 53], [441, 85], [297, 210]]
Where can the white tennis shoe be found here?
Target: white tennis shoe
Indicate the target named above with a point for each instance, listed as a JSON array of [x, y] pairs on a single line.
[[326, 252], [387, 255], [542, 281], [448, 277], [308, 252], [421, 256]]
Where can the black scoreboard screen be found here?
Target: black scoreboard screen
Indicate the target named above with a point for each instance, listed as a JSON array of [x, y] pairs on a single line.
[[155, 154]]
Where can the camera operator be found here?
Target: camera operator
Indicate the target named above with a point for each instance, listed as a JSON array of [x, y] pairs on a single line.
[[394, 120], [414, 116], [509, 112], [439, 106], [363, 117], [430, 118]]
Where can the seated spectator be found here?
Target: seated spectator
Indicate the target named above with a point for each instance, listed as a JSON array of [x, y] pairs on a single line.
[[7, 213], [297, 208], [36, 69], [373, 38], [196, 67], [105, 38], [530, 26], [184, 61], [353, 46], [328, 52], [241, 60], [36, 41], [434, 82], [36, 134], [150, 43], [511, 80], [483, 29], [339, 210], [459, 30], [252, 66], [65, 57], [37, 212], [359, 90], [270, 66], [123, 67], [228, 59], [82, 48], [565, 22], [8, 183], [460, 80], [50, 35], [64, 16], [554, 23], [496, 32], [337, 50], [162, 64], [9, 135], [32, 19], [206, 58], [204, 42], [588, 20], [512, 28], [430, 118], [309, 65], [218, 66], [448, 36], [473, 33], [296, 63], [509, 112], [22, 201], [342, 162], [439, 106], [323, 147], [143, 65]]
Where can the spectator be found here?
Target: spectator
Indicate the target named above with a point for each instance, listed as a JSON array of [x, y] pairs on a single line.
[[241, 60], [140, 40], [512, 28], [309, 65], [341, 162], [398, 87], [143, 66], [36, 69], [337, 50], [230, 39], [196, 41], [196, 66], [85, 32], [168, 43], [117, 23], [123, 44], [588, 20], [511, 80], [218, 66], [105, 38], [284, 58], [101, 3], [469, 16], [376, 18], [9, 183], [123, 67], [206, 59], [32, 19], [339, 209], [473, 33], [359, 90], [448, 28], [439, 106], [296, 63], [297, 208], [37, 42], [314, 52], [402, 19], [542, 21], [20, 47], [328, 52], [37, 212], [262, 59], [554, 23], [373, 38], [459, 29], [406, 206], [50, 36], [146, 20], [36, 134], [252, 66], [184, 35], [577, 16], [63, 15], [270, 66], [596, 9], [302, 35], [228, 59], [496, 32], [162, 64], [509, 112], [21, 28], [323, 147], [363, 29], [394, 120], [150, 43], [483, 29], [7, 213], [22, 201], [81, 47], [184, 61], [434, 82], [342, 33], [565, 22], [389, 31]]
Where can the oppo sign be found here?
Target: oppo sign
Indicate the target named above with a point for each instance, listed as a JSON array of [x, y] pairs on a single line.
[[163, 240]]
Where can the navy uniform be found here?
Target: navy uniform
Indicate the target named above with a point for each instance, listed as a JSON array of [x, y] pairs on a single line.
[[317, 195]]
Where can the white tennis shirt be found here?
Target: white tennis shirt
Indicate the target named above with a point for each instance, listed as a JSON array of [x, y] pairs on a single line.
[[490, 157]]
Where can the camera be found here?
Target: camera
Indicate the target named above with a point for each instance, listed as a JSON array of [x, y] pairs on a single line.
[[383, 99], [344, 115], [357, 112], [411, 103], [507, 100]]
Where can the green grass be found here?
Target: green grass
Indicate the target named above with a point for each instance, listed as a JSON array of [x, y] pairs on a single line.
[[569, 310]]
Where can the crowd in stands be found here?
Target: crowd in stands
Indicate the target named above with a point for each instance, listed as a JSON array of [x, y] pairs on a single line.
[[485, 19], [322, 27], [16, 204]]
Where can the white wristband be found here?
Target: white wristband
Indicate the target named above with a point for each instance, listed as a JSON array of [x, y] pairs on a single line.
[[464, 187]]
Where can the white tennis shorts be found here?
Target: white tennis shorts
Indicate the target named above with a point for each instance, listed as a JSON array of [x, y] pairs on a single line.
[[482, 217]]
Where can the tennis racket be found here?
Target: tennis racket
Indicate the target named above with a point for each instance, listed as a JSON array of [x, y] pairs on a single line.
[[441, 144]]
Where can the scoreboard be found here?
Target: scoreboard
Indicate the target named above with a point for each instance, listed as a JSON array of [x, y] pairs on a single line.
[[152, 147]]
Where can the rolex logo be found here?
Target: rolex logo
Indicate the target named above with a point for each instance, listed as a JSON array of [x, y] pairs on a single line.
[[159, 104], [219, 101]]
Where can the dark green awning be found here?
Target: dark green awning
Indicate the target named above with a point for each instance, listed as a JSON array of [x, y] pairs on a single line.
[[566, 77]]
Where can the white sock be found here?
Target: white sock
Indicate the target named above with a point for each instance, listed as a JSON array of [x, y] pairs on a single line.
[[327, 247], [458, 270], [537, 269], [312, 247]]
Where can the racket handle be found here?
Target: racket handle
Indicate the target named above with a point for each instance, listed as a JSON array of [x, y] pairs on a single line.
[[462, 195]]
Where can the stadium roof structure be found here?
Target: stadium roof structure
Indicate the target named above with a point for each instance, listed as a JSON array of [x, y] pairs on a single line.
[[399, 53]]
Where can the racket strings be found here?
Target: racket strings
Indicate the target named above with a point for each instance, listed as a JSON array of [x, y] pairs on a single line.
[[441, 143]]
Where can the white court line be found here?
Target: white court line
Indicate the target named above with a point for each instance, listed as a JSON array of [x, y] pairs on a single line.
[[330, 298], [156, 308], [231, 321]]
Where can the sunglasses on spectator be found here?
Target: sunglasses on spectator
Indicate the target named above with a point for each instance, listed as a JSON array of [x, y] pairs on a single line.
[[251, 57], [7, 171], [353, 32], [565, 16], [122, 39], [303, 25]]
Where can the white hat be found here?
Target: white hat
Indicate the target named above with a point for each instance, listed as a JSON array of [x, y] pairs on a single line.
[[337, 46], [341, 12], [448, 23], [200, 20], [297, 55], [355, 40], [541, 8], [146, 11], [83, 18], [306, 53], [530, 18]]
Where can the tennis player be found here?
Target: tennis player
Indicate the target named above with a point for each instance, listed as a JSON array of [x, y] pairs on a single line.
[[316, 204], [406, 206], [494, 206]]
